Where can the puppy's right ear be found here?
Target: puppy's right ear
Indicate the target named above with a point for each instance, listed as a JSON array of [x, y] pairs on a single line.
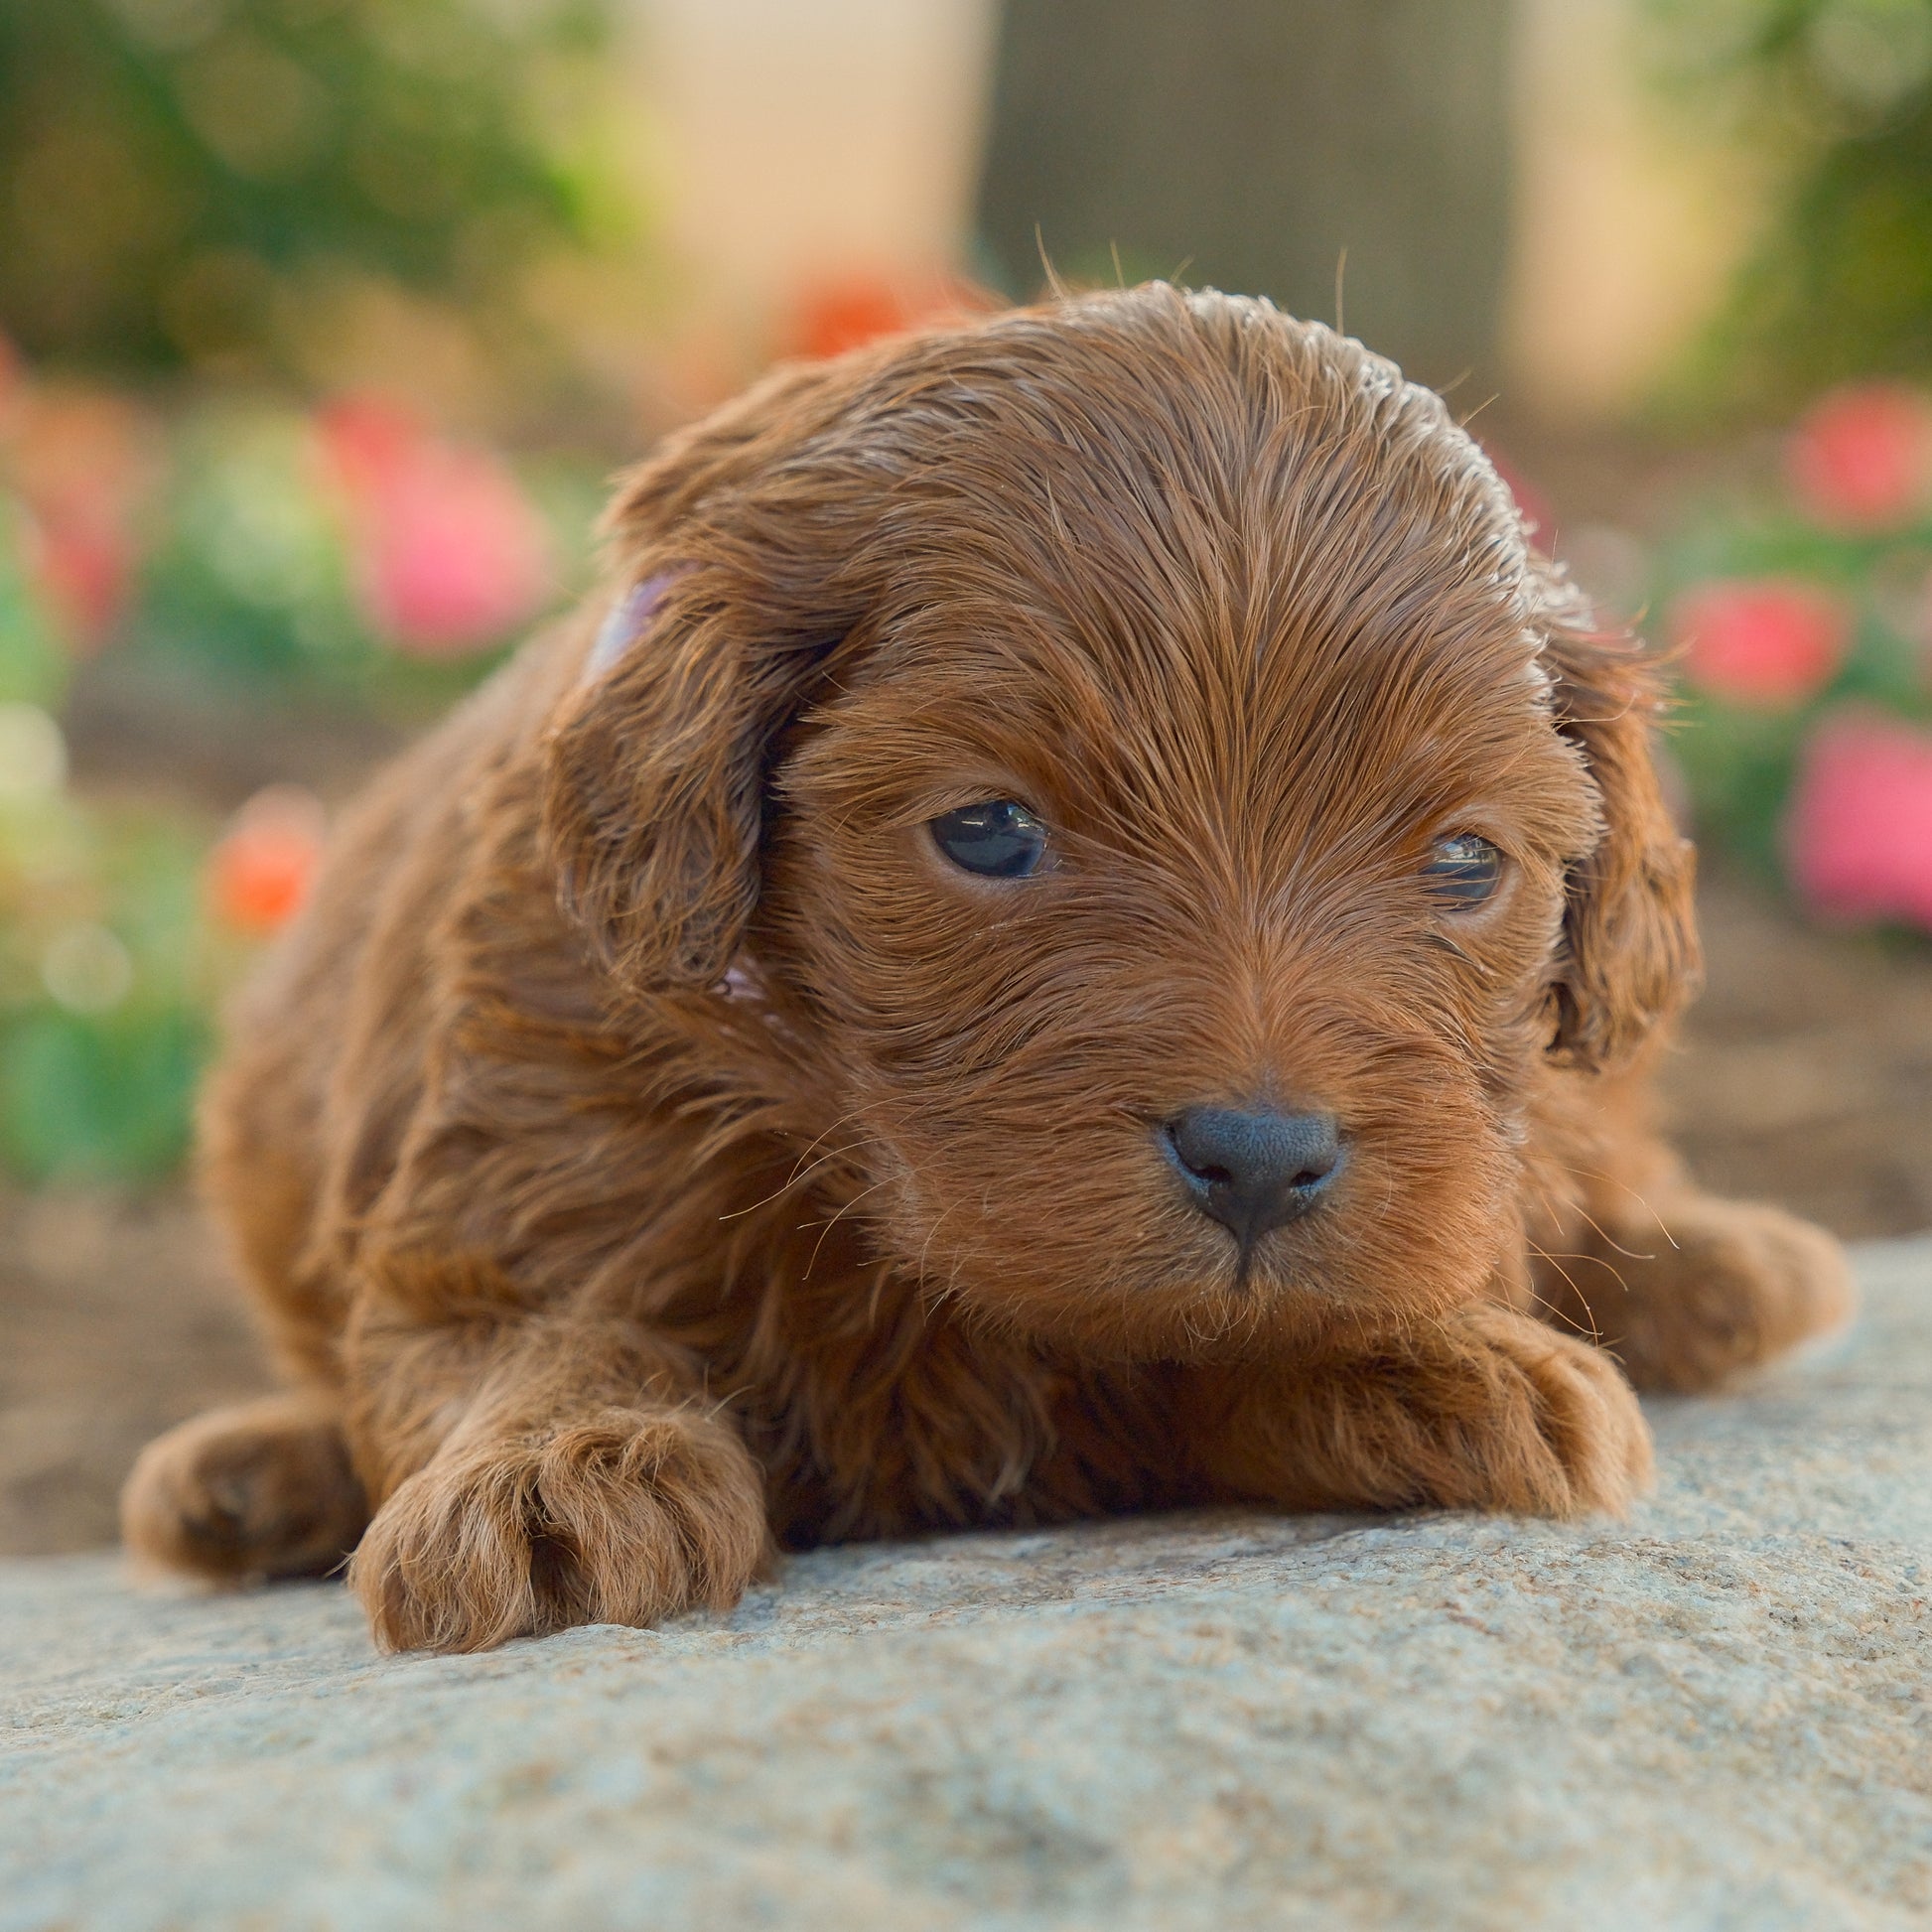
[[1630, 959], [731, 543]]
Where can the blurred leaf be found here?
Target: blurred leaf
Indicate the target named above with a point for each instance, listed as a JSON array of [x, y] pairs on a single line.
[[98, 1099], [32, 666], [173, 170]]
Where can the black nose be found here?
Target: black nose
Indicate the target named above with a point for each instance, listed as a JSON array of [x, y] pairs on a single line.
[[1253, 1171]]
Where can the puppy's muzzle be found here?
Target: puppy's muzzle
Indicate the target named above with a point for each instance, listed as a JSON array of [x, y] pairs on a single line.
[[1252, 1170]]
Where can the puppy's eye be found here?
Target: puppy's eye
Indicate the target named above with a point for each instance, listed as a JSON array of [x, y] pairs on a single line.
[[998, 839], [1463, 870]]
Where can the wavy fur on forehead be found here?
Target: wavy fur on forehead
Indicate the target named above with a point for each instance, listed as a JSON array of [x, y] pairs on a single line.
[[1129, 461], [1195, 431]]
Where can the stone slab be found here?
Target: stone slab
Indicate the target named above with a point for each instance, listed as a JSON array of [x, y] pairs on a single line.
[[1715, 1716]]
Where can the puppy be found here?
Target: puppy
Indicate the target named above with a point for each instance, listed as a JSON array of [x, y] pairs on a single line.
[[1079, 928]]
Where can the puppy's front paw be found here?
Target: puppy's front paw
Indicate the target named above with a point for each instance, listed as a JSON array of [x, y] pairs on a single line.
[[261, 1489], [623, 1517], [1484, 1410], [1732, 1285], [1517, 1417]]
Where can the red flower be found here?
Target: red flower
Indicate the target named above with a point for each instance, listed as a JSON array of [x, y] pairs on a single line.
[[82, 464], [1860, 458], [263, 870], [366, 443], [1858, 832], [447, 552], [1768, 642], [85, 571]]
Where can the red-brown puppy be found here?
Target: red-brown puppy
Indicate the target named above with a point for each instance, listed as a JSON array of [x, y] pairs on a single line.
[[1083, 936]]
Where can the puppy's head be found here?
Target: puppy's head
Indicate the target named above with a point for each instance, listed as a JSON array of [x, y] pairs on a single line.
[[1170, 807]]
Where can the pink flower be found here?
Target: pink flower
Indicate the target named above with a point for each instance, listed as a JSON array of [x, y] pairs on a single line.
[[447, 553], [1769, 642], [1859, 832], [1860, 458], [454, 557]]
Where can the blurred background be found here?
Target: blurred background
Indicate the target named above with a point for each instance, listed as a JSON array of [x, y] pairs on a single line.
[[324, 322]]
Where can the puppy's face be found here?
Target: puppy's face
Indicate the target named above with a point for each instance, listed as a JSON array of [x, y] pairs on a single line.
[[1184, 963], [1169, 860]]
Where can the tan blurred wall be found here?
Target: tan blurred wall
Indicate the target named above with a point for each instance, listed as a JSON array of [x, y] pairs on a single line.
[[793, 142], [1629, 216], [804, 140]]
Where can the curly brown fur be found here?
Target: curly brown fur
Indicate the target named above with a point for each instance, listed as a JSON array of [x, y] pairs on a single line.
[[649, 1151]]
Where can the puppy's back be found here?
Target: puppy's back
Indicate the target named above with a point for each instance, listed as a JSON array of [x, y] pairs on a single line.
[[323, 1057]]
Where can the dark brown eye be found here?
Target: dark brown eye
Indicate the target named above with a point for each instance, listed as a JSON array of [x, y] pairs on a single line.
[[999, 839], [1463, 870]]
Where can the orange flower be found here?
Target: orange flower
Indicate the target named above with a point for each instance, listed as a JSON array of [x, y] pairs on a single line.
[[850, 311], [85, 572], [366, 443], [261, 871]]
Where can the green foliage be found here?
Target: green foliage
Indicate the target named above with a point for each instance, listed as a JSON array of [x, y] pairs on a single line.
[[99, 1097], [1841, 285], [107, 975], [247, 577], [182, 176], [33, 667]]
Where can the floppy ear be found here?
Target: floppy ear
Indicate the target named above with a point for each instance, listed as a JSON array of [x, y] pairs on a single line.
[[730, 544], [1630, 956]]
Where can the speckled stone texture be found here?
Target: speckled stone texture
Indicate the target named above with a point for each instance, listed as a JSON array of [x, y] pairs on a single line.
[[1714, 1717]]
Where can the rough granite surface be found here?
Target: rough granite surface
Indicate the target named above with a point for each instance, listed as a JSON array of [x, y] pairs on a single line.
[[1715, 1716]]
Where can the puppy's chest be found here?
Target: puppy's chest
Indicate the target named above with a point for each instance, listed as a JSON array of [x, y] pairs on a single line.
[[877, 1412]]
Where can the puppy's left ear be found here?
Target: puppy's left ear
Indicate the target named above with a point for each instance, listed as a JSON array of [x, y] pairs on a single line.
[[731, 546], [1630, 956]]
